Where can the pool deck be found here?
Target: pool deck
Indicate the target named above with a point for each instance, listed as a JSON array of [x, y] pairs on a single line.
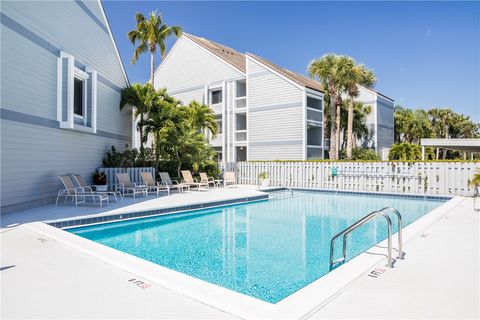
[[44, 278], [66, 212]]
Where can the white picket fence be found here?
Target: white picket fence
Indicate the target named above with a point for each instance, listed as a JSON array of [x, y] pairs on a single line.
[[134, 174], [434, 178]]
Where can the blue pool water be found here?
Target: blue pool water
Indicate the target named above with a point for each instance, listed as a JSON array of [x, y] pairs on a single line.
[[267, 249]]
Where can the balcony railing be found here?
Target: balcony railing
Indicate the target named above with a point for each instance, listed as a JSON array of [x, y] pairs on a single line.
[[240, 103], [314, 115], [241, 135]]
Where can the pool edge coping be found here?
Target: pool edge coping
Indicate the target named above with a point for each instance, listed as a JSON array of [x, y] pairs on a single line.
[[300, 304]]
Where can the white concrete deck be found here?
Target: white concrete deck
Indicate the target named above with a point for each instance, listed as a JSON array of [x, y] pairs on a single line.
[[43, 278], [129, 204]]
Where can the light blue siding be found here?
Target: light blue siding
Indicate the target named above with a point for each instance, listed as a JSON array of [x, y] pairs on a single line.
[[384, 123], [33, 148], [275, 116]]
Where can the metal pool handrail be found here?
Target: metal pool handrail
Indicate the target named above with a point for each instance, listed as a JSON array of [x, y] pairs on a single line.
[[399, 229], [354, 226]]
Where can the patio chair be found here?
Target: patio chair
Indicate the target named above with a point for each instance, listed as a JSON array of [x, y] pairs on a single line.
[[188, 179], [82, 184], [126, 185], [206, 179], [78, 194], [153, 185], [229, 178], [172, 184]]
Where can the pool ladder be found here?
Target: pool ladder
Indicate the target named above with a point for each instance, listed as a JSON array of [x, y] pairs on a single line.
[[363, 221]]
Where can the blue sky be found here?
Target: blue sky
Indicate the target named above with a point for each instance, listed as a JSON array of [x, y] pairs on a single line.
[[424, 54]]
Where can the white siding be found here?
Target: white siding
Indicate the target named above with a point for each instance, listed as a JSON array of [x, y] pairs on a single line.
[[188, 96], [189, 66], [275, 116]]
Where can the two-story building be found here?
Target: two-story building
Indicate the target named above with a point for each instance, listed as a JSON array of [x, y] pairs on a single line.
[[264, 112]]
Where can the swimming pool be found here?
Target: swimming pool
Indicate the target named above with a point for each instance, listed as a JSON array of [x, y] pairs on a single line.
[[267, 249]]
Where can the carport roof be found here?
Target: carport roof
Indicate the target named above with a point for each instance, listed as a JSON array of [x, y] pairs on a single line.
[[468, 145]]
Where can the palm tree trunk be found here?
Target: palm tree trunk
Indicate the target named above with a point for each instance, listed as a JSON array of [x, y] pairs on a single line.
[[444, 155], [333, 131], [179, 163], [350, 128], [152, 65], [157, 150], [140, 128], [337, 124]]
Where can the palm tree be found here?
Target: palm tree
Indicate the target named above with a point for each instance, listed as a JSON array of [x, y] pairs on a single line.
[[140, 98], [161, 121], [442, 120], [330, 70], [202, 117], [355, 75], [150, 34]]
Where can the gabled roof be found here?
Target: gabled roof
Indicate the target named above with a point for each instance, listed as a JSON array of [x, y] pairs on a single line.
[[296, 77], [230, 55], [238, 60]]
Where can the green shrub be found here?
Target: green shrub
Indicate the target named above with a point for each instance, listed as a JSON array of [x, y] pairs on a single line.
[[409, 151], [359, 153], [128, 158]]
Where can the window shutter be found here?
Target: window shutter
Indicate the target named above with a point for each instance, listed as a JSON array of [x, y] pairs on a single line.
[[65, 69], [92, 99]]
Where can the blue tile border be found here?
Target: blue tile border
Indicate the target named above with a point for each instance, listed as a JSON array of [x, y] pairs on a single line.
[[129, 215], [366, 193]]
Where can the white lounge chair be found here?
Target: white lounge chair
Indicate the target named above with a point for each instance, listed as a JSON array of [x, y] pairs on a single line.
[[125, 185], [229, 178], [188, 179], [78, 195], [152, 185], [206, 179], [172, 184], [82, 184]]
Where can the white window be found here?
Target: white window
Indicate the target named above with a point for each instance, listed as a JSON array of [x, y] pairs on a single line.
[[216, 96], [219, 123], [241, 88], [78, 99], [76, 95]]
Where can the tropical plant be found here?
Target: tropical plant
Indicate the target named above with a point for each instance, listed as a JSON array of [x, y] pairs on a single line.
[[413, 125], [141, 99], [356, 74], [360, 128], [359, 153], [161, 121], [179, 132], [151, 33], [330, 70], [475, 180], [99, 178], [263, 175], [408, 152], [202, 117]]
